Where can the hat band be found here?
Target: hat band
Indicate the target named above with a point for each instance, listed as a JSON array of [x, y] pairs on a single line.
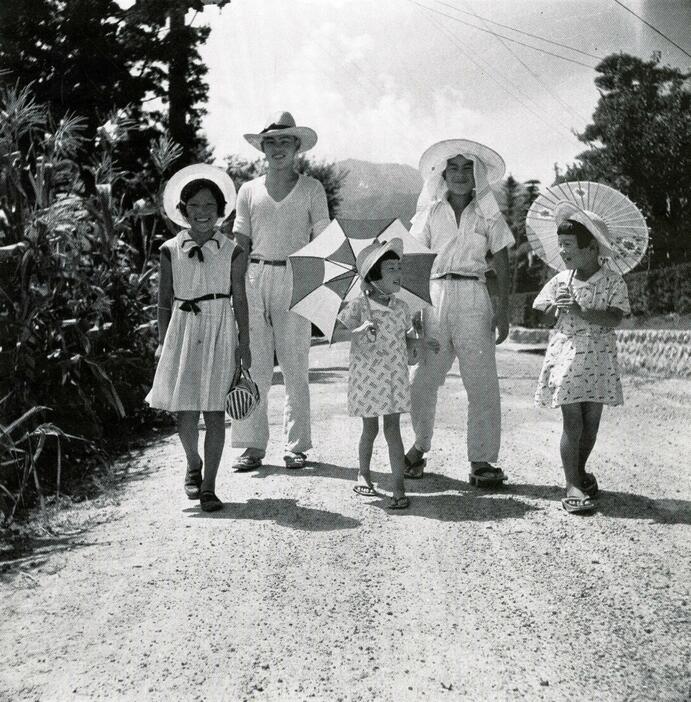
[[275, 126]]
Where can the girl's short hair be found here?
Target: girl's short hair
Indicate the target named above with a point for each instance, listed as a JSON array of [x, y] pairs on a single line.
[[196, 186], [374, 273], [583, 235]]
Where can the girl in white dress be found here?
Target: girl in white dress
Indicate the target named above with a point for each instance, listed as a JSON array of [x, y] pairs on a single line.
[[378, 383], [580, 372], [202, 321]]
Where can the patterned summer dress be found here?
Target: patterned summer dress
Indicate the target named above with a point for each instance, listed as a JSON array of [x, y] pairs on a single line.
[[378, 373], [198, 355], [581, 359]]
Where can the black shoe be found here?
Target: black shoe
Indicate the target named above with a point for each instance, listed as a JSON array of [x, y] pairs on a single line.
[[209, 502], [193, 482]]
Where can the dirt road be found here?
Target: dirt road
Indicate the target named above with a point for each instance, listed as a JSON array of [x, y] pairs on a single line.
[[301, 590]]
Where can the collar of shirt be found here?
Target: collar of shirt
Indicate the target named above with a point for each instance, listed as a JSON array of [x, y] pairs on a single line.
[[213, 244], [591, 281]]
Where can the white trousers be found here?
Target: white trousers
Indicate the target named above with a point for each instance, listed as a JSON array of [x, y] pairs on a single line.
[[461, 320], [274, 328]]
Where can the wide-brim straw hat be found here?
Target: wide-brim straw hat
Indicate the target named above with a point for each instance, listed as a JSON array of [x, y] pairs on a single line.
[[197, 171], [372, 253], [433, 161], [564, 210], [283, 124]]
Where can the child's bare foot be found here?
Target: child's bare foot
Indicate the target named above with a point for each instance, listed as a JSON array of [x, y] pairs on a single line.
[[576, 501], [364, 486], [399, 502]]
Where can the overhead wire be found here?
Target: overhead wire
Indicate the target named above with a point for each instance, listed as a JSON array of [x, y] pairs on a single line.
[[565, 105], [520, 31], [515, 41], [655, 29], [487, 71]]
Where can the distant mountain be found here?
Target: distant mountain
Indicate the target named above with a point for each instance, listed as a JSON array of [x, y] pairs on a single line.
[[379, 190]]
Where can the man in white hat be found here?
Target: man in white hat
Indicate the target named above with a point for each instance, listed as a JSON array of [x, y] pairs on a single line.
[[458, 218], [277, 214]]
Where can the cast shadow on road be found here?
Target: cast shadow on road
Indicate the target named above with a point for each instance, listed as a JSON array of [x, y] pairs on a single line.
[[317, 375], [282, 511], [618, 505]]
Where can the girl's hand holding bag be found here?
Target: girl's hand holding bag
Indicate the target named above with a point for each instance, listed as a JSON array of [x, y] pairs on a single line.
[[243, 397]]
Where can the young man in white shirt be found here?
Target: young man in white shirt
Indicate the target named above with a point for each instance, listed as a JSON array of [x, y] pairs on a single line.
[[277, 214], [459, 219]]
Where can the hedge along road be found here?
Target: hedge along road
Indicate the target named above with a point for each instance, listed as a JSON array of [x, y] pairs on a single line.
[[301, 590]]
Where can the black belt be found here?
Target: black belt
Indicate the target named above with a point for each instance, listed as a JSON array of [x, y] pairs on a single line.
[[267, 262], [457, 276], [191, 305]]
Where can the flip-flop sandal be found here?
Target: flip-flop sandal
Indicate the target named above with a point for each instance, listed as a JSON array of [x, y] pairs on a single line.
[[209, 502], [590, 486], [297, 460], [193, 481], [414, 471], [365, 491], [487, 476], [399, 503], [247, 463], [576, 505]]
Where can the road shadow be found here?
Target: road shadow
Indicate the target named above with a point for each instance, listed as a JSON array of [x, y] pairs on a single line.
[[316, 375], [282, 511], [618, 505]]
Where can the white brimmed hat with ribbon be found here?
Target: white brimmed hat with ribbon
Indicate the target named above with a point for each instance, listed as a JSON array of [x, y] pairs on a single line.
[[283, 124], [372, 253], [197, 171]]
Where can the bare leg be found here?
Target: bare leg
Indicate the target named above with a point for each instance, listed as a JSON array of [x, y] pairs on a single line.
[[572, 416], [370, 429], [592, 412], [188, 431], [213, 447], [392, 433]]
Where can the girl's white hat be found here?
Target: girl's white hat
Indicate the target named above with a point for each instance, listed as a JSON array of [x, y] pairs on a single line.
[[433, 161], [197, 171], [283, 123], [564, 210], [372, 253]]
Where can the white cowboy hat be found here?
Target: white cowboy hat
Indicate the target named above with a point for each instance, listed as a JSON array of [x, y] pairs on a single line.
[[433, 161], [372, 253], [283, 123], [564, 210], [197, 171]]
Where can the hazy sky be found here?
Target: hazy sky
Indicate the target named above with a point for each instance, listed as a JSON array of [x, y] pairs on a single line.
[[383, 79]]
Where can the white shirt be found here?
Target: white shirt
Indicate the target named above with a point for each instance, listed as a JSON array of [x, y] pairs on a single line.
[[461, 248], [278, 229]]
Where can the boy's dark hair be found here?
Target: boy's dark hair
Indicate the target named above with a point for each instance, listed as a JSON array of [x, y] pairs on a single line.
[[196, 186], [583, 235], [374, 273]]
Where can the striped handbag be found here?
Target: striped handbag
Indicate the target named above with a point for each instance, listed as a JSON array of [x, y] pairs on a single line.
[[243, 396]]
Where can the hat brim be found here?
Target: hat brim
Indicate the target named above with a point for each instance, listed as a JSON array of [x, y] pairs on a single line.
[[308, 137], [197, 171], [433, 160], [568, 210], [394, 244]]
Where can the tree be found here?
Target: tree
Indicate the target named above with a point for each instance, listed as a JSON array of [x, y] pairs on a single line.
[[93, 58], [640, 143]]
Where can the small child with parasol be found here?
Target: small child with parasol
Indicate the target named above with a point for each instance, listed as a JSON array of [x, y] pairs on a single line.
[[580, 373], [382, 338]]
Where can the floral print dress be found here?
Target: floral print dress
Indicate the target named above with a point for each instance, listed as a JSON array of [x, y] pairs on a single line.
[[581, 359]]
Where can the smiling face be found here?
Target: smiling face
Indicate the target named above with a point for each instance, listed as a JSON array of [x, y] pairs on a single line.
[[459, 176], [280, 150], [202, 212], [390, 281], [575, 257]]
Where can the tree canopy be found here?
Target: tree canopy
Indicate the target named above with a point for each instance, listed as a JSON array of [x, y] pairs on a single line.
[[640, 143]]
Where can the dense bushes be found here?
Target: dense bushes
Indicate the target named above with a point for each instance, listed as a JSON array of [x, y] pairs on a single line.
[[76, 297]]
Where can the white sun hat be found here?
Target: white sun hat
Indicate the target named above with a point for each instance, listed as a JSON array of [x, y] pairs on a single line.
[[283, 124], [433, 161], [197, 171]]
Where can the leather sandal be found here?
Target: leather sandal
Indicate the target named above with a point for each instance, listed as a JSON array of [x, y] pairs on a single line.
[[193, 481], [487, 476]]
